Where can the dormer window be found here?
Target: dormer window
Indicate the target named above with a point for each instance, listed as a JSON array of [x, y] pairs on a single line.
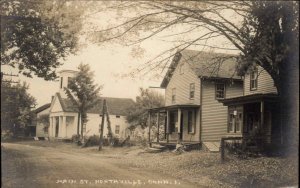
[[253, 80]]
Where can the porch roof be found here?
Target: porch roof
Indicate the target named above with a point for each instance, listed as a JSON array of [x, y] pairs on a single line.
[[267, 97], [173, 107]]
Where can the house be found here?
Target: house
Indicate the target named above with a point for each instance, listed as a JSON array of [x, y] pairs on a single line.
[[255, 115], [64, 115], [195, 84], [42, 120]]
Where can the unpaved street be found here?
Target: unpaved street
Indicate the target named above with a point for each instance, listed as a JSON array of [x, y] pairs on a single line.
[[34, 166]]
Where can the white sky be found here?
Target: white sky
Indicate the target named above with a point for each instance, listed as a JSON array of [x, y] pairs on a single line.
[[109, 63]]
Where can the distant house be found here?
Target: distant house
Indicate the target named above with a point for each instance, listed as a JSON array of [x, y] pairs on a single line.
[[42, 120], [64, 115], [257, 110], [195, 84]]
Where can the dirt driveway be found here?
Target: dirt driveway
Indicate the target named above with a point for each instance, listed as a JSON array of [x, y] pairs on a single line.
[[35, 166]]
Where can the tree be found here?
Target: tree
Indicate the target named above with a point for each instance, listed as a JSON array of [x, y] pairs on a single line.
[[265, 33], [273, 42], [138, 114], [37, 35], [83, 92], [16, 104]]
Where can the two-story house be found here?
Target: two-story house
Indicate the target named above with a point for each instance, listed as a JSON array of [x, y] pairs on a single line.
[[64, 115], [257, 112], [194, 85]]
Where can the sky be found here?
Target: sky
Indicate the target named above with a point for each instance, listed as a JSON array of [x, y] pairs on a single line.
[[110, 62]]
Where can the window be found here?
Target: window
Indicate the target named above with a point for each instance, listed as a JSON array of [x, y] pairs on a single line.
[[61, 82], [181, 69], [173, 95], [253, 80], [117, 116], [235, 121], [192, 90], [231, 123], [117, 130], [69, 80], [220, 90], [191, 128]]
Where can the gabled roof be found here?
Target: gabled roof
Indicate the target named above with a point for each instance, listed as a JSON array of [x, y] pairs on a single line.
[[116, 106], [205, 65], [41, 108]]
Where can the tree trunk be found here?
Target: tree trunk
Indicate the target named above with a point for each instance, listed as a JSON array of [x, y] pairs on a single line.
[[289, 104], [110, 134], [82, 137], [78, 125]]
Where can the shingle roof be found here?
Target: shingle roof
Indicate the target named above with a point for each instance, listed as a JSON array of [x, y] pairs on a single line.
[[116, 106], [41, 108], [205, 64]]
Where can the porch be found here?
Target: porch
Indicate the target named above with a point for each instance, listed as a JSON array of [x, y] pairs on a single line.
[[254, 122], [179, 124]]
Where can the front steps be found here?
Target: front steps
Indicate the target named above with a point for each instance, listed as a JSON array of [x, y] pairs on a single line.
[[212, 146]]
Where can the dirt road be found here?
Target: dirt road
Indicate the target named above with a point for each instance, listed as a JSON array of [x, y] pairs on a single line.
[[33, 166]]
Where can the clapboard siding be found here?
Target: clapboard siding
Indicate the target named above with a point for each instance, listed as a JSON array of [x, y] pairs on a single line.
[[265, 83], [182, 84], [214, 114]]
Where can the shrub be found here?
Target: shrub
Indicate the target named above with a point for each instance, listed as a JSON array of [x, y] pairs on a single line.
[[75, 138], [92, 141]]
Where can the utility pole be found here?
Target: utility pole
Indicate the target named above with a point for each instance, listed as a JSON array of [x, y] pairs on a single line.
[[102, 125], [109, 135]]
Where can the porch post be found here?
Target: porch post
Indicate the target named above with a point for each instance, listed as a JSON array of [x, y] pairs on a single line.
[[50, 127], [158, 113], [262, 121], [149, 124], [179, 126], [262, 110], [53, 126], [168, 128], [60, 124], [64, 127]]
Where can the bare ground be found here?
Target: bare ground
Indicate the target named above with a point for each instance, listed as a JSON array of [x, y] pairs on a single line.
[[43, 164]]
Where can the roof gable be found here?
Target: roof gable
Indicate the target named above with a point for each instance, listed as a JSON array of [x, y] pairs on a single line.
[[56, 105], [204, 65]]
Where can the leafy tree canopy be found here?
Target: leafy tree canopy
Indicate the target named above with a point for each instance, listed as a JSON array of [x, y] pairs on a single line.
[[138, 114], [37, 35], [83, 92], [16, 104]]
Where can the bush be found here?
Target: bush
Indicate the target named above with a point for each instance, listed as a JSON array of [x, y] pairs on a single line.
[[75, 138], [92, 141]]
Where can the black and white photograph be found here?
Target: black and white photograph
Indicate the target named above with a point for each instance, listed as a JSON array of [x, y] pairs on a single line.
[[149, 94]]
